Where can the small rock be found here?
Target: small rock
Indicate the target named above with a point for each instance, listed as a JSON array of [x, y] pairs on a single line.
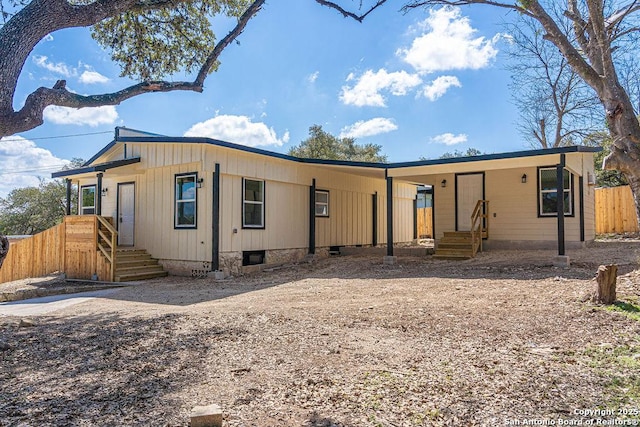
[[26, 323], [4, 346], [206, 416]]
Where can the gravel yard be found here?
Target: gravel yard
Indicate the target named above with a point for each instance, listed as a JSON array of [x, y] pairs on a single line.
[[345, 341]]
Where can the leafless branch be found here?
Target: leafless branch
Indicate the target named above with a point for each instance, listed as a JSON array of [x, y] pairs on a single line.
[[348, 14]]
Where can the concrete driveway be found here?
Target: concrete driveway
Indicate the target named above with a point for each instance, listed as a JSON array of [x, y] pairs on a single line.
[[46, 305]]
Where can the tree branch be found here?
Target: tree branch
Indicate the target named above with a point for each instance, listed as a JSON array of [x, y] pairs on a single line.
[[222, 44], [31, 114], [416, 4], [348, 14]]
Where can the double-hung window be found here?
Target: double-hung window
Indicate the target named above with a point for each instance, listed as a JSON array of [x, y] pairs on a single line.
[[548, 194], [322, 203], [185, 201], [252, 203], [87, 199]]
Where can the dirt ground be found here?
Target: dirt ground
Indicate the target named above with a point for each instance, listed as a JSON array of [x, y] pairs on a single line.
[[501, 339]]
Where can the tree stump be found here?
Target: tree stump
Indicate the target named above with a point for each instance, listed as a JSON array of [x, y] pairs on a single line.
[[4, 248], [604, 291]]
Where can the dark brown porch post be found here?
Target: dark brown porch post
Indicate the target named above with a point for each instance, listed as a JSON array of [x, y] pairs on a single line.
[[389, 216], [98, 195], [560, 203], [68, 182]]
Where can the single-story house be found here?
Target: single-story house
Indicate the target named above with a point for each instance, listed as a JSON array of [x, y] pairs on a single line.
[[200, 204]]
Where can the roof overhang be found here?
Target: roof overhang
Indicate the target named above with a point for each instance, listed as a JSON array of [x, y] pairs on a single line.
[[100, 167], [416, 171]]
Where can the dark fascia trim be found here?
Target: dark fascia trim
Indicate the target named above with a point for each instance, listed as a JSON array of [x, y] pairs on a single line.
[[510, 155], [101, 152], [101, 167], [219, 143]]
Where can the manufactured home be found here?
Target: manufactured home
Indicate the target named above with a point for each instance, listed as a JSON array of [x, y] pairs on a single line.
[[198, 205]]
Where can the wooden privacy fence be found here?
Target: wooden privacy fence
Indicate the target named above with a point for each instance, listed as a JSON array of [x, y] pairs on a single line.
[[615, 210], [425, 223], [68, 248]]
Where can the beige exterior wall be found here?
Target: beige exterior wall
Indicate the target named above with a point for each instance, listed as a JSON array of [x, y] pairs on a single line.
[[513, 206], [287, 184]]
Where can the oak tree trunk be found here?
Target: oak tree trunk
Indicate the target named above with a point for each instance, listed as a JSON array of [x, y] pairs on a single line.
[[604, 291], [4, 248]]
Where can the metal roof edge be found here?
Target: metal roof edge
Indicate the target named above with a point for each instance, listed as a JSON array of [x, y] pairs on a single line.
[[253, 150], [102, 167], [498, 156]]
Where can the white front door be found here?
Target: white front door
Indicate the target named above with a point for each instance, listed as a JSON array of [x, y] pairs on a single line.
[[126, 213], [469, 189]]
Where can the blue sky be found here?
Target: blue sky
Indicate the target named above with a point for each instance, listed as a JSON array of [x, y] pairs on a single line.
[[419, 84]]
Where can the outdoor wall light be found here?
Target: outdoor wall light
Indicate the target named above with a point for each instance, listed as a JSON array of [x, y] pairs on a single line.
[[200, 183], [443, 183], [104, 192], [524, 178]]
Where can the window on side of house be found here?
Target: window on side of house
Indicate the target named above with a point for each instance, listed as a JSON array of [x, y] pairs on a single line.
[[185, 201], [87, 200], [322, 203], [252, 203], [548, 194]]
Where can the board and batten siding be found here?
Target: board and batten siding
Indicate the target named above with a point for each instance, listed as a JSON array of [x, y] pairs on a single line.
[[287, 186], [513, 205]]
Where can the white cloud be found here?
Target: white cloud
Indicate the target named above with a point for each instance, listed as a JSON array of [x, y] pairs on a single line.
[[94, 116], [371, 127], [450, 43], [313, 77], [238, 130], [93, 77], [439, 87], [449, 139], [368, 88], [22, 163], [59, 68], [48, 38]]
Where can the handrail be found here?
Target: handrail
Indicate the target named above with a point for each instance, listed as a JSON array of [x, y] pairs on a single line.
[[109, 247], [479, 225]]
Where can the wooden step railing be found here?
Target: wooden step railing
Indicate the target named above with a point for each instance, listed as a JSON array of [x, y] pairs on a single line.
[[107, 243], [479, 225]]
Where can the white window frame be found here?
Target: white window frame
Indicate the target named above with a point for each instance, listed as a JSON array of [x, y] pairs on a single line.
[[82, 207], [322, 204], [177, 201], [541, 192], [253, 202]]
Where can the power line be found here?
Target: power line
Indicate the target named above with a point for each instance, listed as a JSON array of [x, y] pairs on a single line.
[[57, 137], [52, 168]]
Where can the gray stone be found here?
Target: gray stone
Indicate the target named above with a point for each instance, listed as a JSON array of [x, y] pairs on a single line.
[[216, 275], [206, 416], [561, 261], [4, 346], [390, 260]]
